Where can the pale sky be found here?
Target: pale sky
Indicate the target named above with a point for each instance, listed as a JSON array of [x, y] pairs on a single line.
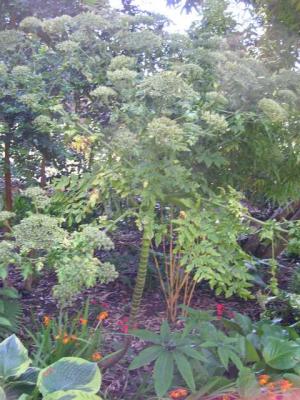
[[182, 21]]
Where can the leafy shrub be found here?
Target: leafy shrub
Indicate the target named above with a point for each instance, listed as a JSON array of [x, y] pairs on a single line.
[[10, 311], [202, 353]]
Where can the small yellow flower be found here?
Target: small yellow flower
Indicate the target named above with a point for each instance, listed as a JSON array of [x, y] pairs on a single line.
[[102, 316], [96, 356]]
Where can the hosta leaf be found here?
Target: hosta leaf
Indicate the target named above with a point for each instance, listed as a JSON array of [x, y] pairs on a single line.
[[163, 373], [185, 369], [145, 357], [14, 359], [70, 373], [71, 395], [280, 354], [2, 394]]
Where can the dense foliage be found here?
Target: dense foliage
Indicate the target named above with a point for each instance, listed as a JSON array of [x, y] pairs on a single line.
[[109, 122]]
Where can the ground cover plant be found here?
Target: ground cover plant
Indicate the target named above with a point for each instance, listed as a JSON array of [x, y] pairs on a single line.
[[150, 201]]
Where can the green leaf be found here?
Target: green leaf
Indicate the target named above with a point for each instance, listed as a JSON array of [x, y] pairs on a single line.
[[247, 384], [70, 373], [193, 353], [14, 359], [280, 354], [251, 353], [145, 357], [165, 331], [224, 356], [147, 335], [4, 322], [163, 373], [71, 395], [185, 369], [2, 394]]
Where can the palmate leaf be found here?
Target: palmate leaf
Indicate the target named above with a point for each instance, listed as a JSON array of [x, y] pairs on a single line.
[[185, 369], [163, 373], [14, 359], [145, 357]]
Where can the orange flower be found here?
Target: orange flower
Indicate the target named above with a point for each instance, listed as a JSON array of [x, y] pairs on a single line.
[[96, 356], [178, 393], [83, 321], [66, 340], [263, 379], [285, 385], [102, 316], [46, 320]]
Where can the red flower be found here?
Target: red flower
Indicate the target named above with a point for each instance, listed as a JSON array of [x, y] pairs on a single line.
[[220, 310], [123, 324]]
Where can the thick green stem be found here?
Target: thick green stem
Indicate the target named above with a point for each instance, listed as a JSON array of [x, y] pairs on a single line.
[[140, 279], [136, 299]]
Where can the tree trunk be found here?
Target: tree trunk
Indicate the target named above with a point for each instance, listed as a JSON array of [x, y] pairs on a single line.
[[43, 182], [7, 176]]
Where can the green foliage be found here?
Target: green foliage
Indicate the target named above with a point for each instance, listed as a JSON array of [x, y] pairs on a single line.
[[69, 257], [64, 336], [169, 351], [10, 311], [205, 350], [69, 376]]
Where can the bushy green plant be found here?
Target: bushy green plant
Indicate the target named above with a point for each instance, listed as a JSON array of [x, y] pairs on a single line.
[[77, 267], [209, 349], [66, 336], [10, 311], [69, 376]]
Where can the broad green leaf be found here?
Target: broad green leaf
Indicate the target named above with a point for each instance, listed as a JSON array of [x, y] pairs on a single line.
[[71, 395], [163, 373], [147, 335], [2, 394], [280, 354], [70, 373], [185, 369], [14, 359], [145, 357]]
